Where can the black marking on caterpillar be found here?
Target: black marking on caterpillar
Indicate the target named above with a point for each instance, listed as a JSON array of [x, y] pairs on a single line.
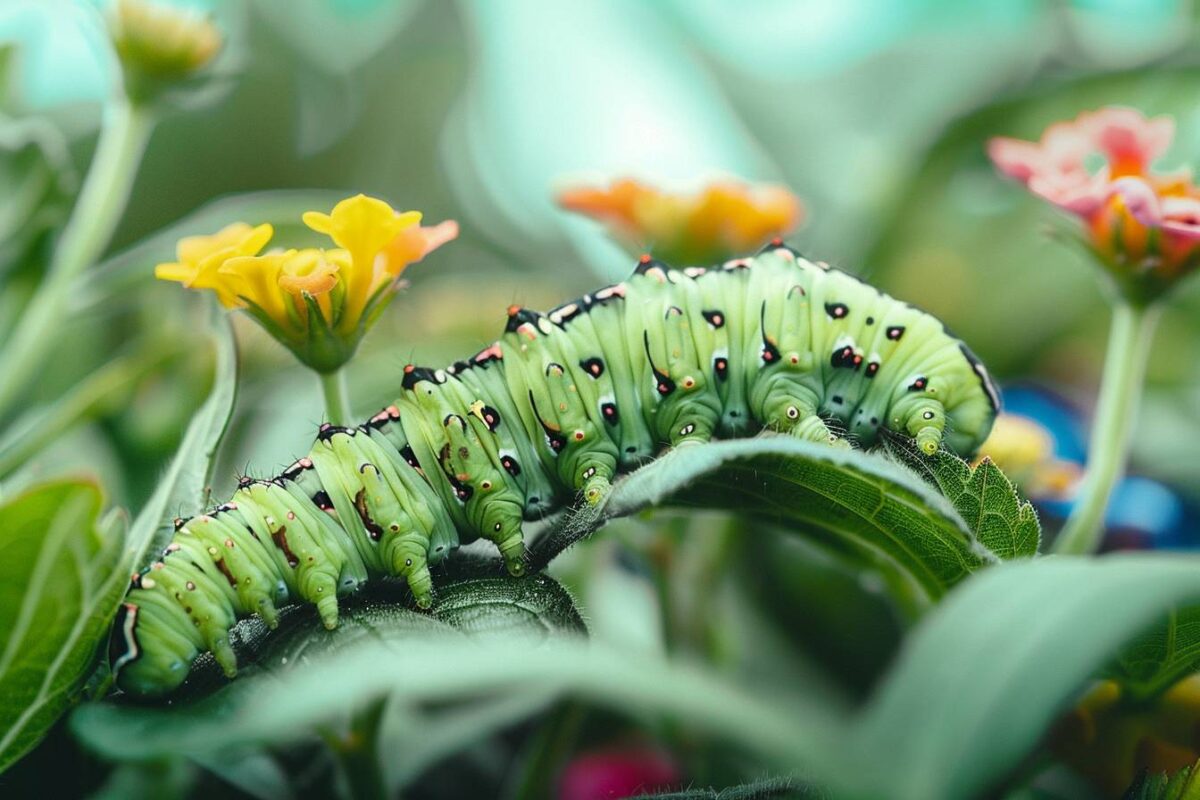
[[361, 505], [770, 352], [593, 366], [837, 310]]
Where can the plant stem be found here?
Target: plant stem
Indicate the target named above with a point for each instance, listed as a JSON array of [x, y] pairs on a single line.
[[101, 201], [357, 755], [1120, 391], [337, 397]]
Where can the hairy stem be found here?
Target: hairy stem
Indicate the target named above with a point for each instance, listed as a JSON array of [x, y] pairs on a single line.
[[101, 201], [337, 397], [1120, 391]]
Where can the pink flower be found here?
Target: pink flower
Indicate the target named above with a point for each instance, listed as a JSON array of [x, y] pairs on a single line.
[[1144, 225], [612, 774], [1054, 167], [1128, 140]]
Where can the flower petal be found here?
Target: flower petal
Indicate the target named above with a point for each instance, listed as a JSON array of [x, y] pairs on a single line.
[[1015, 158], [1181, 216], [1128, 139], [319, 222], [309, 272], [256, 279], [414, 243], [1139, 199], [175, 271]]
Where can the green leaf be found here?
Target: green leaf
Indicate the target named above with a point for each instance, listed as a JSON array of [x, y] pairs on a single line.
[[1158, 659], [185, 483], [983, 495], [60, 578], [1182, 785], [859, 502], [981, 679], [301, 678], [135, 265]]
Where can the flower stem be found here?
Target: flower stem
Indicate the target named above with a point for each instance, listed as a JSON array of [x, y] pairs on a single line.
[[101, 201], [337, 397], [1120, 391]]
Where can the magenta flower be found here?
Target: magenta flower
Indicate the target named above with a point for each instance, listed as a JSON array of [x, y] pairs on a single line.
[[610, 774]]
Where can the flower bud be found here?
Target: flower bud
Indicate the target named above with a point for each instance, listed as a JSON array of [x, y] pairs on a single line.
[[160, 46]]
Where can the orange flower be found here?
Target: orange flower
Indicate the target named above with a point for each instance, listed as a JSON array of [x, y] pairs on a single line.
[[722, 221], [1143, 225]]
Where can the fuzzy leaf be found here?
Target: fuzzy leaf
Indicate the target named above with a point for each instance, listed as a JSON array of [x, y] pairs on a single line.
[[60, 578], [984, 496], [423, 674], [860, 503], [782, 788], [301, 677]]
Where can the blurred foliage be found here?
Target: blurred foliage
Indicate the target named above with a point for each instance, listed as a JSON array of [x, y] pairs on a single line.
[[61, 575], [721, 637]]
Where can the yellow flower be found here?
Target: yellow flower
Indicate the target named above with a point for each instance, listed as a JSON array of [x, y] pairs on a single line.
[[1024, 450], [200, 258], [159, 45], [723, 221], [363, 226], [319, 303]]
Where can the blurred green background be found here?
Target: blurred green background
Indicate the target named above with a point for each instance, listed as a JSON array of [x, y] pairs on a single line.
[[875, 112]]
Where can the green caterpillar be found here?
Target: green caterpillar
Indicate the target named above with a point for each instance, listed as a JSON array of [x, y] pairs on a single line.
[[556, 408]]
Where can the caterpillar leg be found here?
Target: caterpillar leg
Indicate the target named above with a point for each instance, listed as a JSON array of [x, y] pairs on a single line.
[[587, 458], [406, 558], [786, 405], [814, 429], [689, 407], [925, 423], [494, 506], [919, 412]]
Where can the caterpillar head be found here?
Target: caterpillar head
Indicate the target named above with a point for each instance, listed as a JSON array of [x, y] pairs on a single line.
[[148, 673]]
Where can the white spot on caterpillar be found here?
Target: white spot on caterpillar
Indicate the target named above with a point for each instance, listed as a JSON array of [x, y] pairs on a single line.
[[844, 341]]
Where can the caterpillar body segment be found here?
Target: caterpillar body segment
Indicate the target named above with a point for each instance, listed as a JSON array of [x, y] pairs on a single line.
[[553, 411]]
